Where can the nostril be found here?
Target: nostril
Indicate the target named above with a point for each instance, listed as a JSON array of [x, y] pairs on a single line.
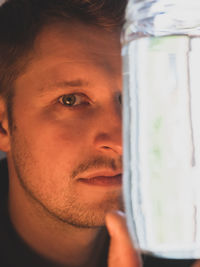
[[109, 142], [106, 147]]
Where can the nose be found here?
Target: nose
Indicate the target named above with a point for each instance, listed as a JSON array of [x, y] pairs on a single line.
[[108, 139], [108, 144]]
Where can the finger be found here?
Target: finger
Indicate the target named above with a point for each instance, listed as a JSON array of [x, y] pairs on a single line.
[[121, 251], [197, 264]]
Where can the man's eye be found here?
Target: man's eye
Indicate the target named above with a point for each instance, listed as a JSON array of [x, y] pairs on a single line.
[[73, 100]]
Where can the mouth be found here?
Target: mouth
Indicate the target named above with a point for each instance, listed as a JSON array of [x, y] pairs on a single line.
[[103, 180]]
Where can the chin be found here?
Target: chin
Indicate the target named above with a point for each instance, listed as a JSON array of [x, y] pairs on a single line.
[[93, 218]]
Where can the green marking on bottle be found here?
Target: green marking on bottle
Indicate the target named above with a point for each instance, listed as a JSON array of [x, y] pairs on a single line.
[[158, 123], [156, 147], [168, 44], [157, 152]]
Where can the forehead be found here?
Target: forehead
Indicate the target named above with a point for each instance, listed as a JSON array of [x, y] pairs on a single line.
[[71, 52], [76, 42]]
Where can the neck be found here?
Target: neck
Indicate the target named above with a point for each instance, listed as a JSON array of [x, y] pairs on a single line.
[[53, 239]]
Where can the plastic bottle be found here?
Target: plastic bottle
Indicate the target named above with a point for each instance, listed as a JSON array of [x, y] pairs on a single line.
[[161, 107]]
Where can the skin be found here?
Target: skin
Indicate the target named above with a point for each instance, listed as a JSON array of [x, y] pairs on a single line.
[[121, 251], [52, 145]]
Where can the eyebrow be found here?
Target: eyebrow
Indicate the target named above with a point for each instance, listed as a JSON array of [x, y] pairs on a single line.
[[64, 84]]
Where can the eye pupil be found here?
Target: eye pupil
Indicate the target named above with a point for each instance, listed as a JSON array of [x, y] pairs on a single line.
[[69, 100]]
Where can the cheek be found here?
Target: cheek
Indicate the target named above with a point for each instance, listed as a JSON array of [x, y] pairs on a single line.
[[67, 128], [44, 160], [55, 136], [58, 137]]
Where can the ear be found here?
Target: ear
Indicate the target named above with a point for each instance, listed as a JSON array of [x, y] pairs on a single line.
[[4, 128]]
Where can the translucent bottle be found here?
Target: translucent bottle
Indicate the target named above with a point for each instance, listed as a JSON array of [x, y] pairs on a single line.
[[161, 107]]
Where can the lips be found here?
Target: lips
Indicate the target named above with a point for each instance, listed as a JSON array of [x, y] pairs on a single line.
[[103, 179]]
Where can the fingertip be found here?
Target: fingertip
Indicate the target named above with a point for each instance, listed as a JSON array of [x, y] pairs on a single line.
[[113, 220], [111, 215], [122, 251]]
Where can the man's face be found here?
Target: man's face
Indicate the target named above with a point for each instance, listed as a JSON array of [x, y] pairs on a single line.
[[67, 123]]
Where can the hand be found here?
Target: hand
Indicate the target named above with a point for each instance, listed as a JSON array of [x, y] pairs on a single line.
[[121, 251], [197, 264]]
